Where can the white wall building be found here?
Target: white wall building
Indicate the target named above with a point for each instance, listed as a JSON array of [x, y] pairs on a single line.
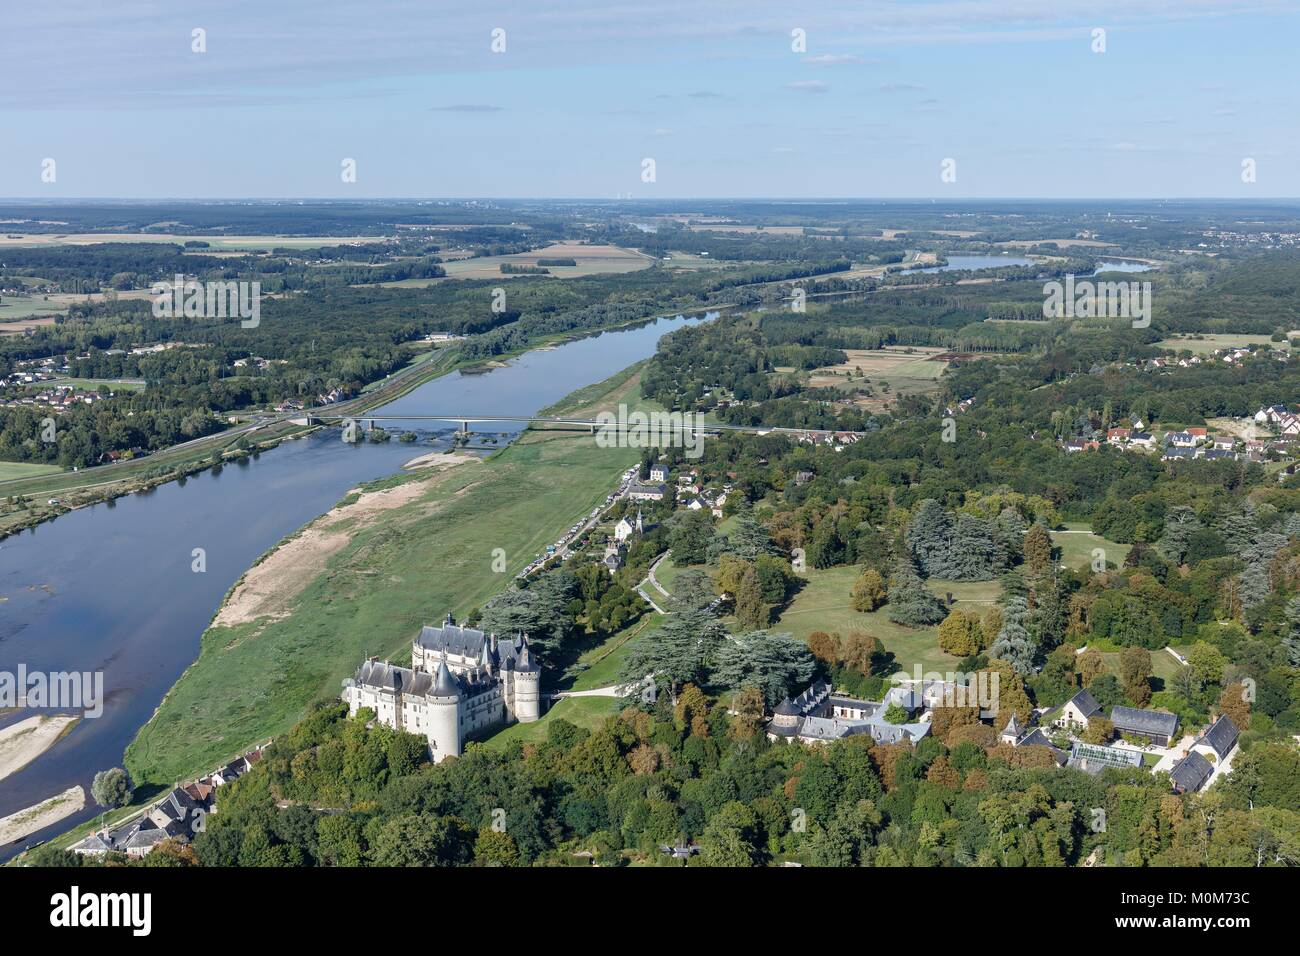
[[460, 682]]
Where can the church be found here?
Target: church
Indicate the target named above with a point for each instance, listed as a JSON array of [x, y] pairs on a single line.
[[461, 681]]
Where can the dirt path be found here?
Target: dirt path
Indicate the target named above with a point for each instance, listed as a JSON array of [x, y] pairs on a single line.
[[270, 586]]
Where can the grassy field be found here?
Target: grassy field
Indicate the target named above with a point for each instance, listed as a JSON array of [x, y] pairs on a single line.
[[24, 307], [823, 605], [589, 712], [18, 469], [591, 260], [92, 384], [427, 557], [1077, 543], [603, 662], [1208, 343]]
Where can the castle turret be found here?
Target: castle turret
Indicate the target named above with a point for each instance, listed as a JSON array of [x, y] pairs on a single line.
[[528, 686], [444, 714]]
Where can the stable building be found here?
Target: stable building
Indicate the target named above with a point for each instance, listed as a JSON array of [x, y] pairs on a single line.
[[1153, 726]]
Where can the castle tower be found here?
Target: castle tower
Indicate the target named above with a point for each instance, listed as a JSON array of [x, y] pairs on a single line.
[[528, 687], [444, 714]]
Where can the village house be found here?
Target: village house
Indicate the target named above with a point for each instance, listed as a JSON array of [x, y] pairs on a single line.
[[639, 492], [1075, 712]]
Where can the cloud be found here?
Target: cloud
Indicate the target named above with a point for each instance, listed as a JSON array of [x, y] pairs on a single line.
[[901, 88], [663, 131], [808, 86], [467, 108]]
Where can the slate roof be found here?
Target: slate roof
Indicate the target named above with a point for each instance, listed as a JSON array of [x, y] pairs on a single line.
[[1152, 722], [1222, 736], [384, 676], [458, 640], [1086, 703], [1190, 773], [1036, 738]]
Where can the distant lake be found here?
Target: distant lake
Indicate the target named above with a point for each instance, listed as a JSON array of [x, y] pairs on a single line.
[[1122, 265], [957, 263]]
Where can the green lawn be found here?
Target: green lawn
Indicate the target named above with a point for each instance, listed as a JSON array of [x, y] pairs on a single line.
[[1077, 543], [589, 712], [24, 307], [603, 662], [19, 469], [410, 567], [92, 384], [823, 605]]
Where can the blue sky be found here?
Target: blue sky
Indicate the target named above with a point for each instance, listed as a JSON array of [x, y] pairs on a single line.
[[712, 91]]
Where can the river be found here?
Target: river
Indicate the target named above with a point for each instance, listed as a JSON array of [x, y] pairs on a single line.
[[112, 587]]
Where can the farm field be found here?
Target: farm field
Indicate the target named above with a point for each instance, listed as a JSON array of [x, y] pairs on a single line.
[[25, 307], [1203, 344], [591, 260], [216, 242], [823, 605]]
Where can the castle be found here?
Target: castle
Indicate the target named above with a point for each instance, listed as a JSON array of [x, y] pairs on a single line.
[[460, 681]]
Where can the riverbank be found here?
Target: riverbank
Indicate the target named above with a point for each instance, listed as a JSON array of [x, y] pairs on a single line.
[[24, 741], [267, 591], [406, 566], [44, 814]]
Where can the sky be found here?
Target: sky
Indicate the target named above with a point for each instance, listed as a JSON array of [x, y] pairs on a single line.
[[578, 95]]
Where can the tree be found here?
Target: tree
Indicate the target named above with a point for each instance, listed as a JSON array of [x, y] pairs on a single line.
[[750, 709], [1091, 665], [1135, 675], [495, 848], [961, 634], [775, 663], [689, 536], [421, 839], [1038, 549], [911, 603], [111, 788], [1234, 705], [1099, 730], [1013, 642], [1180, 524], [678, 652], [929, 538], [731, 837], [869, 592], [1207, 662], [751, 611]]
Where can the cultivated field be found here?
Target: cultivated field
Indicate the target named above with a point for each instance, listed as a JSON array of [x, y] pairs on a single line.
[[217, 243], [1208, 343], [591, 260]]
